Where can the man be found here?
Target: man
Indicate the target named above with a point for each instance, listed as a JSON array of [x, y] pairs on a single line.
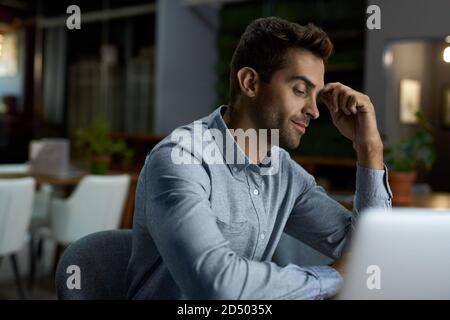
[[208, 230]]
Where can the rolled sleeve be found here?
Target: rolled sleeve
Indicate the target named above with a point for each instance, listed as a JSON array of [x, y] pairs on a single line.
[[330, 281], [372, 189], [373, 182]]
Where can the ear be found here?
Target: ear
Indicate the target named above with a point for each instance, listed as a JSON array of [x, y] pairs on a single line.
[[248, 81]]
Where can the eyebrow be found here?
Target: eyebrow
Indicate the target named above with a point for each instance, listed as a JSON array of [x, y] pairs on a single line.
[[304, 79], [308, 82]]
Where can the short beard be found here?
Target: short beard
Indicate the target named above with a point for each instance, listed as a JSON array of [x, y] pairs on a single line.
[[288, 140], [267, 119]]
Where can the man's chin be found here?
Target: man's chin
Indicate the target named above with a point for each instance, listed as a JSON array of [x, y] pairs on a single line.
[[291, 144]]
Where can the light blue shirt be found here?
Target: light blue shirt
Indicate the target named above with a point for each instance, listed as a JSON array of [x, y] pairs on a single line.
[[209, 231]]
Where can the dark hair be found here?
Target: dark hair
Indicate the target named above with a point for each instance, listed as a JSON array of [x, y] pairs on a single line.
[[264, 43]]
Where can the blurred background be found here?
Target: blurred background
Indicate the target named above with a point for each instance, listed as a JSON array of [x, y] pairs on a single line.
[[96, 100]]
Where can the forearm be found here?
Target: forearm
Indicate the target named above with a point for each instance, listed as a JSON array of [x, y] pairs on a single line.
[[205, 267], [370, 155]]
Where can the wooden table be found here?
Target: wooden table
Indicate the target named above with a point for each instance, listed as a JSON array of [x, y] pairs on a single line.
[[435, 200], [69, 183]]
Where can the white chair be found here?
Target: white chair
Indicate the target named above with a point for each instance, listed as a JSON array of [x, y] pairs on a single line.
[[16, 201], [39, 219], [15, 168], [41, 205], [96, 205]]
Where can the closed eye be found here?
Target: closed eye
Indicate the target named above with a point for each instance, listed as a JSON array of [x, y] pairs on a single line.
[[299, 92]]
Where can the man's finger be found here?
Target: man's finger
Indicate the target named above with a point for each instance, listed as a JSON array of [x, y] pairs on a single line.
[[331, 86], [343, 101], [351, 104], [335, 100]]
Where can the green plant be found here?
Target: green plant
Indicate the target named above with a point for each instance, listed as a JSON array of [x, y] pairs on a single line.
[[417, 151], [98, 142]]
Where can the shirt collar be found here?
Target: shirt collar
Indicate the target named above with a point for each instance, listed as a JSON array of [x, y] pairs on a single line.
[[232, 153], [230, 148]]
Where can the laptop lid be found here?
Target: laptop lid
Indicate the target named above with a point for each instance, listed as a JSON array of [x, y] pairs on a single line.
[[403, 254]]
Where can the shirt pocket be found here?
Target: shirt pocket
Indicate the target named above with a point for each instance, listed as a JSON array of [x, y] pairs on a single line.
[[238, 233]]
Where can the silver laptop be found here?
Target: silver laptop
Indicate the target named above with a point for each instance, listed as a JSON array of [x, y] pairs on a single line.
[[404, 254]]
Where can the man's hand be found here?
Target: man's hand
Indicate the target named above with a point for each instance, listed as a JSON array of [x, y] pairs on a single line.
[[353, 114]]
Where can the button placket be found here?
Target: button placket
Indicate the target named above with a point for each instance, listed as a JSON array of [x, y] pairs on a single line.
[[257, 209], [257, 199]]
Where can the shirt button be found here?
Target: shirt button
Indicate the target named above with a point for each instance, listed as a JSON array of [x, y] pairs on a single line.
[[255, 192], [263, 236]]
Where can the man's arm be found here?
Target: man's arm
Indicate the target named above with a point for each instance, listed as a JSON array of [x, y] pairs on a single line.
[[317, 219], [353, 114], [322, 222], [183, 226]]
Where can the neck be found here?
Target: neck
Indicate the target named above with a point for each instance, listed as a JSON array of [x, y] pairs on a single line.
[[241, 117]]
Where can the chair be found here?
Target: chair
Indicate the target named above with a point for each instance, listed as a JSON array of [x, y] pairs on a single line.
[[39, 220], [41, 204], [102, 258], [96, 205], [16, 201], [15, 168]]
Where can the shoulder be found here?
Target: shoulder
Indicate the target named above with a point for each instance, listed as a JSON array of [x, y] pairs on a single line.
[[291, 165], [178, 155], [294, 173]]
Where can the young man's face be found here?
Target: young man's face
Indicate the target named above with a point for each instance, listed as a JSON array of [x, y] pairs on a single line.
[[289, 101]]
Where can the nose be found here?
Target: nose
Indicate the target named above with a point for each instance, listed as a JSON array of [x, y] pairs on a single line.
[[311, 109]]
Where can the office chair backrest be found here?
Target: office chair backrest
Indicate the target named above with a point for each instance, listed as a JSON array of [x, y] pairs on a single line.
[[94, 267], [16, 200], [96, 205]]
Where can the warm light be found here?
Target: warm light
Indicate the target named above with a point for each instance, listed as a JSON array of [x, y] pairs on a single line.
[[446, 55], [447, 39], [388, 58]]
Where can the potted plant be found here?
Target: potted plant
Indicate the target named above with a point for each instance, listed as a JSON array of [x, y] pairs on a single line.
[[100, 147], [405, 158]]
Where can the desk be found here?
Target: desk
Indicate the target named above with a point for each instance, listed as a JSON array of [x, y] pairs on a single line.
[[72, 181], [435, 200]]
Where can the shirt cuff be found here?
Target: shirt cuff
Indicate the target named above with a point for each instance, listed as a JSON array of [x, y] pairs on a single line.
[[373, 182], [330, 280]]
